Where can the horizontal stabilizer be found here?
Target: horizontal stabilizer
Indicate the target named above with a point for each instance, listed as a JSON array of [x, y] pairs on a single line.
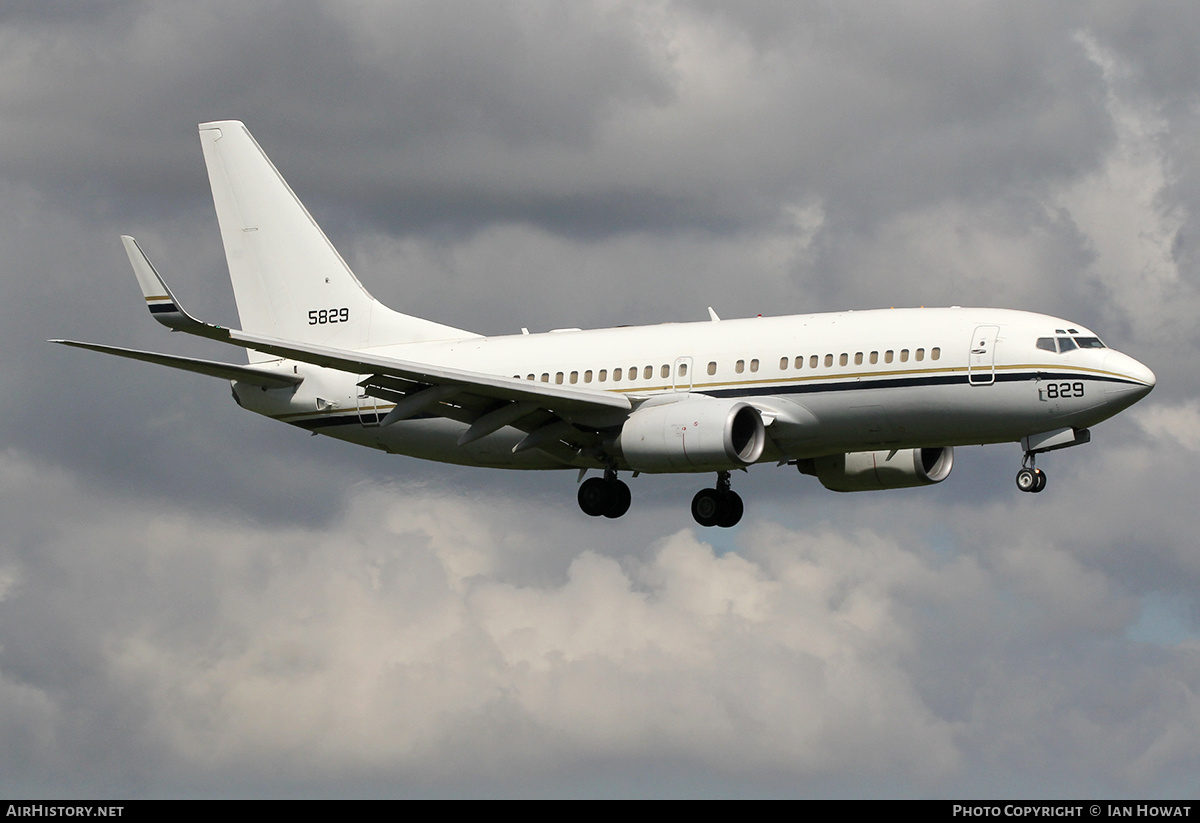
[[226, 371]]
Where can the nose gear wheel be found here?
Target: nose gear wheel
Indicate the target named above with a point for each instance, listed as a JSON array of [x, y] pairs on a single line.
[[1030, 478]]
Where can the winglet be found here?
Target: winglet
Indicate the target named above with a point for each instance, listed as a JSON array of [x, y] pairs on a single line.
[[159, 299]]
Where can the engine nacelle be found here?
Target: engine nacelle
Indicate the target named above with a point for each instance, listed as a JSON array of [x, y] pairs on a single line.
[[697, 434], [871, 471]]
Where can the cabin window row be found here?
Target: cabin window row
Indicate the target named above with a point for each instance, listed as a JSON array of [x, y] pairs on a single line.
[[604, 375], [872, 358], [634, 373]]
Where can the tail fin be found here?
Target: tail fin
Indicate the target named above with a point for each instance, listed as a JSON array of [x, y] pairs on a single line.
[[288, 279]]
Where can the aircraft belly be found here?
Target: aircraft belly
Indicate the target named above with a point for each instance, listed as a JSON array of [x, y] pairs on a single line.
[[437, 439], [906, 417]]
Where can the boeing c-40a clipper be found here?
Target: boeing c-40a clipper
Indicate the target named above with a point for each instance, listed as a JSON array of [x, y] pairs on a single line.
[[862, 400]]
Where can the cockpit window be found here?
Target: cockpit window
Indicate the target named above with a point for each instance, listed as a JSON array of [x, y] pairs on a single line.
[[1066, 344]]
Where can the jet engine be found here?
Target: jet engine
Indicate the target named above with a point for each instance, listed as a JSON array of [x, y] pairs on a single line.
[[697, 434], [871, 471]]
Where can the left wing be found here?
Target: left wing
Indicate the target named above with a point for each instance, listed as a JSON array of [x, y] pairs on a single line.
[[553, 416], [227, 371]]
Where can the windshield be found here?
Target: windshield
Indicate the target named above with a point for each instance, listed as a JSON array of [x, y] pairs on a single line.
[[1065, 344]]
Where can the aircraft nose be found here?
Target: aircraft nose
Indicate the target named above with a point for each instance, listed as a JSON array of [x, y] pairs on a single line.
[[1124, 365]]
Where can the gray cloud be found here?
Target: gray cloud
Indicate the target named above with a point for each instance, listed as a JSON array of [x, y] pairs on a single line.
[[195, 601]]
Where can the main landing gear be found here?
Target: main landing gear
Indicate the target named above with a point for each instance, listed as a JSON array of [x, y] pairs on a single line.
[[718, 507], [610, 497], [1030, 478], [606, 496]]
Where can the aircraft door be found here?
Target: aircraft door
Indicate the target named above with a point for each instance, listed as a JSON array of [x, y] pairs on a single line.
[[683, 374], [981, 367]]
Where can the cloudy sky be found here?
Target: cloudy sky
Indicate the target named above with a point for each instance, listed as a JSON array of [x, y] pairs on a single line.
[[198, 601]]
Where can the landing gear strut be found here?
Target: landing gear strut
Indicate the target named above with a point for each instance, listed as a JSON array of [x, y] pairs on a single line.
[[606, 496], [718, 507], [1030, 478]]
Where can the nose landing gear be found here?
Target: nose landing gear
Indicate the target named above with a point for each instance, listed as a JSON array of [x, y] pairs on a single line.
[[606, 496], [1030, 478], [718, 507]]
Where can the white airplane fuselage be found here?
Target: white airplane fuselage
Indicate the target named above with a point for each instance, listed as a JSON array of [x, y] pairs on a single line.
[[867, 389], [862, 400]]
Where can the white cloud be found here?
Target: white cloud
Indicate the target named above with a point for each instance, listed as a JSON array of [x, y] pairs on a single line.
[[1179, 422], [413, 639]]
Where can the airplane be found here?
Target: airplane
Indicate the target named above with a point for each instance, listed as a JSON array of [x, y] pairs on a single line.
[[862, 400]]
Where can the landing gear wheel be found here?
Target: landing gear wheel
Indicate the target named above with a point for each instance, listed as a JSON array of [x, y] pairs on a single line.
[[731, 510], [596, 496], [605, 496], [715, 507], [620, 499], [1027, 480], [1041, 481], [706, 507]]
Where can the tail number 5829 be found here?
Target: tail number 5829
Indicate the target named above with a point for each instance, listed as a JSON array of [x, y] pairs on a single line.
[[319, 317]]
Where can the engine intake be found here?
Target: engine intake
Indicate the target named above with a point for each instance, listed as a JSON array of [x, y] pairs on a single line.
[[697, 434], [871, 471]]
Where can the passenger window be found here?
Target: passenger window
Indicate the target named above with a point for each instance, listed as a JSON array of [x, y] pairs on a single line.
[[800, 362], [529, 377], [783, 361], [812, 362], [858, 358], [587, 376], [603, 375], [616, 374], [666, 370], [935, 353], [904, 355], [754, 365], [828, 360], [558, 377], [920, 354], [739, 366], [683, 369], [632, 373], [574, 377], [844, 359], [874, 357], [712, 367], [648, 372], [1066, 344], [545, 377], [887, 356]]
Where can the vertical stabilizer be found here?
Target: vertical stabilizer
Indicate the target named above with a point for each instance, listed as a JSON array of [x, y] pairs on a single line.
[[288, 279]]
